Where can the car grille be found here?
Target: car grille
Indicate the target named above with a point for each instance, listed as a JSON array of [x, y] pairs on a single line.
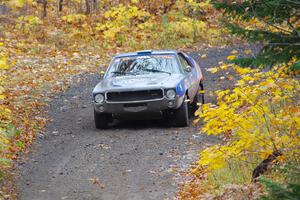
[[143, 95]]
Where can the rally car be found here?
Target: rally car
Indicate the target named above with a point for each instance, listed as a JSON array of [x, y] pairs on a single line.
[[148, 84]]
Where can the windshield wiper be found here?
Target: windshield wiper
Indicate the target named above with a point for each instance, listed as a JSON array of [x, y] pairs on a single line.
[[156, 70], [123, 73]]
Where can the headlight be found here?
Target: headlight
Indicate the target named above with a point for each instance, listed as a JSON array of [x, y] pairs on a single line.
[[99, 98], [171, 94]]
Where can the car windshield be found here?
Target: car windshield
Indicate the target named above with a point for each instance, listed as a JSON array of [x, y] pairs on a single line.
[[144, 65]]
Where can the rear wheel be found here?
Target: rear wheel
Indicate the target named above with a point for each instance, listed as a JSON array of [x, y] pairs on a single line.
[[182, 115], [101, 120]]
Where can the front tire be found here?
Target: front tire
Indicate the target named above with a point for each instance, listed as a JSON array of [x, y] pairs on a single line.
[[182, 115], [101, 120]]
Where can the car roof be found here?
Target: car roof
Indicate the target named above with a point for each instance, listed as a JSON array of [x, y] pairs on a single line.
[[146, 52]]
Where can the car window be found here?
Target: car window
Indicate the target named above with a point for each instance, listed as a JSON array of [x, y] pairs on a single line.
[[183, 61], [137, 65]]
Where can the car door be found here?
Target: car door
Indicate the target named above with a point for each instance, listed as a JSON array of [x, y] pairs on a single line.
[[192, 77]]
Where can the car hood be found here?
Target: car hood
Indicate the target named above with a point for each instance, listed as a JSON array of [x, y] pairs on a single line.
[[121, 83]]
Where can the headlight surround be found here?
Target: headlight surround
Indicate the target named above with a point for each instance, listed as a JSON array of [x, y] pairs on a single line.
[[99, 98], [171, 94]]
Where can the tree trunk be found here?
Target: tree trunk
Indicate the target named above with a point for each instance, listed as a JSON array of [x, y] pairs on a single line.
[[263, 166], [44, 8], [96, 6], [60, 5], [87, 7]]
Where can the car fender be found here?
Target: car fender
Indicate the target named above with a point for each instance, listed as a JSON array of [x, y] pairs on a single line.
[[182, 89]]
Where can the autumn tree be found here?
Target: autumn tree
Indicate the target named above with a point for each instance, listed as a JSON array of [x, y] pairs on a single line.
[[274, 23]]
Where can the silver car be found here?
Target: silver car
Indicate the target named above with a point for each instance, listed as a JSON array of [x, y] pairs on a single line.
[[148, 84]]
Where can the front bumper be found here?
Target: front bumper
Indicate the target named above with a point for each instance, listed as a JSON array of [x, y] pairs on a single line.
[[153, 106]]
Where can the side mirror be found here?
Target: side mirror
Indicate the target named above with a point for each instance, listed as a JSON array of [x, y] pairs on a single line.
[[188, 69]]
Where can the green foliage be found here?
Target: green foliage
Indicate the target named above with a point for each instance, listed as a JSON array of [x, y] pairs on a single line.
[[295, 67], [11, 130], [289, 189], [281, 192], [273, 23]]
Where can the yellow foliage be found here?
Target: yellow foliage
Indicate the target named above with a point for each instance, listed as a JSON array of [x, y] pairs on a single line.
[[19, 3], [231, 57], [248, 51], [28, 24], [3, 63], [213, 70], [256, 118], [5, 113], [121, 19], [204, 5], [74, 18], [134, 1], [234, 52], [188, 27]]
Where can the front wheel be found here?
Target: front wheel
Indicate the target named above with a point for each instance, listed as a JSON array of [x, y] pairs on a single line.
[[101, 120], [182, 115]]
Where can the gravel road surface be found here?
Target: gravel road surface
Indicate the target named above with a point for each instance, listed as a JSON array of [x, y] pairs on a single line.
[[133, 160]]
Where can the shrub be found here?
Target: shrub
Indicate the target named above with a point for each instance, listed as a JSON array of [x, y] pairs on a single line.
[[258, 117], [29, 24], [277, 191]]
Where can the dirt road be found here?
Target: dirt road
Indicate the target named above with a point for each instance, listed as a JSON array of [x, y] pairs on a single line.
[[131, 160]]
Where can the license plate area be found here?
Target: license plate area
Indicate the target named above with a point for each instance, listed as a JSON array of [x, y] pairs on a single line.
[[135, 107]]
